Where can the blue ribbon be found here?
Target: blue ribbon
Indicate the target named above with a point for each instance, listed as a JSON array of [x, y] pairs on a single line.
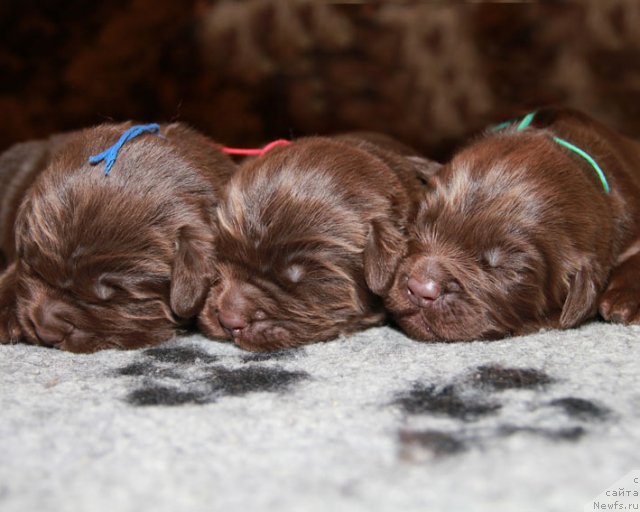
[[110, 154]]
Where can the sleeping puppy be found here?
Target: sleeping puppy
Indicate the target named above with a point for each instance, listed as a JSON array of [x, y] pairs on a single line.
[[536, 224], [107, 261], [308, 232]]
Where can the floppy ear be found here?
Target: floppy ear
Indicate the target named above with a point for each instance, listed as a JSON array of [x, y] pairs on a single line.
[[193, 270], [385, 247], [9, 327], [580, 303], [424, 168]]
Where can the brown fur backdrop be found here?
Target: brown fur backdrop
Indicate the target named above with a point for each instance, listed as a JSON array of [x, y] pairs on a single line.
[[245, 72]]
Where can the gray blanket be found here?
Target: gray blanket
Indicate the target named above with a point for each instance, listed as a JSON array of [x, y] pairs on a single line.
[[370, 422]]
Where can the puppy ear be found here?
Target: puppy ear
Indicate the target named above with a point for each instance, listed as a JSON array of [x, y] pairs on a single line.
[[193, 270], [580, 303], [383, 251], [9, 327], [424, 168]]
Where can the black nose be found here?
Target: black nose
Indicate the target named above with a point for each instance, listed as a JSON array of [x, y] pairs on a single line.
[[51, 322], [232, 322]]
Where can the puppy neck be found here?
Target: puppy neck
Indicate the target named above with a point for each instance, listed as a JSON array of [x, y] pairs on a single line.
[[526, 121]]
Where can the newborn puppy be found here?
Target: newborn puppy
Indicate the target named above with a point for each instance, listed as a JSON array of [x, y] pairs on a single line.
[[522, 230], [107, 261], [307, 232]]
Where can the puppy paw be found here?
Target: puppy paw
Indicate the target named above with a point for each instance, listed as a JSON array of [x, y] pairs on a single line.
[[621, 305], [9, 329], [9, 326]]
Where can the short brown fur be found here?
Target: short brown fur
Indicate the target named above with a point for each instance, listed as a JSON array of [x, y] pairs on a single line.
[[117, 261], [307, 233], [517, 233]]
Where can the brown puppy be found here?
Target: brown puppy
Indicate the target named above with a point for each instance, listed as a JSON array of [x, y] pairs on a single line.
[[520, 232], [307, 232], [98, 261]]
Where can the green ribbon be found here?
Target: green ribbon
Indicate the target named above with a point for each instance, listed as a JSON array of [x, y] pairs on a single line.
[[526, 121]]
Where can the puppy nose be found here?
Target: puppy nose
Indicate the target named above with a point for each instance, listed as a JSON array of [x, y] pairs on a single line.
[[423, 290], [232, 322], [51, 322]]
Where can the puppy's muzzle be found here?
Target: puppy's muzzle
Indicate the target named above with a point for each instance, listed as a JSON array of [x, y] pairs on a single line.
[[233, 322], [428, 282], [52, 322]]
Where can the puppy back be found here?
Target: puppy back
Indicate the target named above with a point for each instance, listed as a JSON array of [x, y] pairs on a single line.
[[20, 165]]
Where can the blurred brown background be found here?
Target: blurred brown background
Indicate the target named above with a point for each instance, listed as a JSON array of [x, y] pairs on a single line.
[[246, 72]]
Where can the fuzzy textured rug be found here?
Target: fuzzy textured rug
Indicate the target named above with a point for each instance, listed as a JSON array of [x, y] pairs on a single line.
[[372, 422]]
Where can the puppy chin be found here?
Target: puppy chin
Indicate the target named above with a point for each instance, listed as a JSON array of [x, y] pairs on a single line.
[[260, 336], [49, 321], [449, 318], [84, 344], [267, 334], [87, 343], [422, 326], [415, 327], [265, 338]]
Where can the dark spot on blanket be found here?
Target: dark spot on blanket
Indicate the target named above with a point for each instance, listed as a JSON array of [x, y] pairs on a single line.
[[249, 380], [136, 369], [421, 445], [146, 368], [560, 434], [566, 434], [181, 355], [581, 409], [499, 378], [163, 395], [217, 382], [427, 399], [268, 356]]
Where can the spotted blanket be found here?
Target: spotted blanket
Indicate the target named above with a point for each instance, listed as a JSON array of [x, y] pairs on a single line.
[[371, 422]]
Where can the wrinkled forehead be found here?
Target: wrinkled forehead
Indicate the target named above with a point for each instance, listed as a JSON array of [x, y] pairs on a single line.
[[284, 219], [478, 203], [486, 172], [91, 238], [285, 252], [72, 260], [506, 177], [317, 169]]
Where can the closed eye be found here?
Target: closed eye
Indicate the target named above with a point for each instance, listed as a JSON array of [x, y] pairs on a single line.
[[133, 287], [294, 272], [494, 258], [104, 289], [510, 265]]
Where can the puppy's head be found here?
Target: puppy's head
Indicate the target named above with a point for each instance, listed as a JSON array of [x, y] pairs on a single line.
[[298, 243], [118, 260], [513, 236], [88, 283]]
